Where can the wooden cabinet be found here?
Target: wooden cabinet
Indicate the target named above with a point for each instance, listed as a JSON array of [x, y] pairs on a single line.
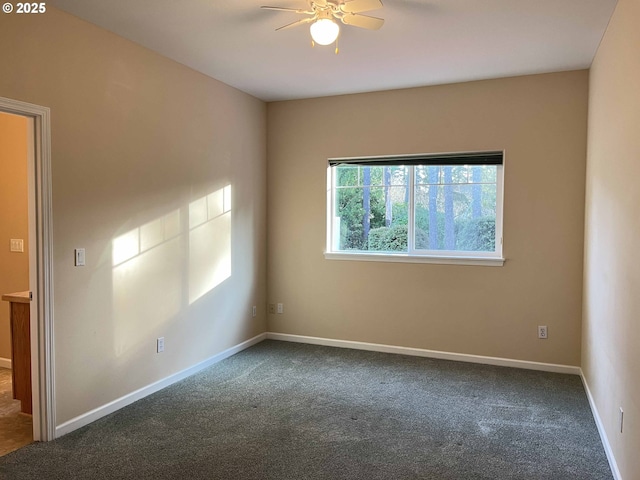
[[20, 347]]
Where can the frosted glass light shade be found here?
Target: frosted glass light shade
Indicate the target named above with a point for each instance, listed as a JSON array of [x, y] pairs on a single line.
[[324, 31]]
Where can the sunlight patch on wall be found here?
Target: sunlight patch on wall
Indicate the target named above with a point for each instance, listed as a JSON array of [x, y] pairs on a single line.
[[139, 240], [125, 247], [209, 242], [160, 230], [147, 281], [167, 264]]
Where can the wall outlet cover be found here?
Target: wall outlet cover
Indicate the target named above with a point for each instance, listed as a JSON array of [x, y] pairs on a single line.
[[17, 245]]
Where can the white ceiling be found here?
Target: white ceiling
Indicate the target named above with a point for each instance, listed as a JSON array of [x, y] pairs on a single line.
[[423, 42]]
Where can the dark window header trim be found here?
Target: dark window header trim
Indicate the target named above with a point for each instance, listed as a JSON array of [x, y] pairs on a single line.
[[468, 158]]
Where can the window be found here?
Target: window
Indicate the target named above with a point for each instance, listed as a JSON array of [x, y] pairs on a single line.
[[444, 208]]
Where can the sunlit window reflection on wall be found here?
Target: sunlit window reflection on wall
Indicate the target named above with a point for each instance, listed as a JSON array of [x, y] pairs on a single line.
[[163, 264], [209, 242], [141, 239], [147, 282]]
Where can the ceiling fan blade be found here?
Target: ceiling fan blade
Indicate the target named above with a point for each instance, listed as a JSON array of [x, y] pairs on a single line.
[[320, 3], [295, 24], [357, 6], [363, 21], [285, 9]]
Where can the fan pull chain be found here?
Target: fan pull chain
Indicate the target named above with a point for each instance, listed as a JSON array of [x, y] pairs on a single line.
[[337, 49]]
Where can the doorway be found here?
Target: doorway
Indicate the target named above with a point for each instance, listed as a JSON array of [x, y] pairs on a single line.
[[16, 426], [38, 248]]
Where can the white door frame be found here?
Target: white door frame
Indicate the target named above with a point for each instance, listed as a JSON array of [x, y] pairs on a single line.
[[40, 264]]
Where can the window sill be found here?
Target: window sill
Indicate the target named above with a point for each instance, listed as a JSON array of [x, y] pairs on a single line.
[[406, 258]]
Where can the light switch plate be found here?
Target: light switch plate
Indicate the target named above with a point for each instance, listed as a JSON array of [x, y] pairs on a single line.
[[17, 245], [80, 258]]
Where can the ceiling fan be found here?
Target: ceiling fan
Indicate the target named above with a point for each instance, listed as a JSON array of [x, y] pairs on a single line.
[[324, 13]]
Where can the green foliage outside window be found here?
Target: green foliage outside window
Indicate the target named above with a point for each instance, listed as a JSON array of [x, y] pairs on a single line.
[[372, 206]]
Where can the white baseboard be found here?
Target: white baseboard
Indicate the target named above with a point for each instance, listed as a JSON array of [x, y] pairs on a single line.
[[95, 414], [419, 352], [603, 434], [5, 362]]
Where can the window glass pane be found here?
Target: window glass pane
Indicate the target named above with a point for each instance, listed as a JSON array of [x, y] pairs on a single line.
[[483, 174], [396, 175], [371, 219], [347, 222], [459, 173], [375, 176], [425, 175], [389, 219], [457, 216], [358, 176], [348, 177]]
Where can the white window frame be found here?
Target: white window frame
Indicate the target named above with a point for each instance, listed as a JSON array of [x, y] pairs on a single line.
[[414, 255]]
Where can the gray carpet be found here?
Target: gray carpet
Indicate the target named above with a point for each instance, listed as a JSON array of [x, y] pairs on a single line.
[[289, 411]]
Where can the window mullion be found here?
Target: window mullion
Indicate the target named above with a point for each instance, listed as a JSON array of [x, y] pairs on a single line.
[[411, 212]]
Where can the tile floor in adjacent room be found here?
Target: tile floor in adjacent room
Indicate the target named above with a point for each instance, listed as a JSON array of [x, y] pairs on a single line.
[[16, 428]]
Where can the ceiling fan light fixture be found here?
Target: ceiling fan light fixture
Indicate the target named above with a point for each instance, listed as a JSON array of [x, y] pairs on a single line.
[[324, 31]]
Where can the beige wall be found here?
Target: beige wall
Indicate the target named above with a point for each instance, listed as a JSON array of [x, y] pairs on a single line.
[[139, 145], [611, 326], [540, 121], [14, 221]]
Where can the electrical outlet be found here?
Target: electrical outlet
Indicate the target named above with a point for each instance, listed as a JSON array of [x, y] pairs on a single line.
[[621, 419], [254, 311], [160, 344], [17, 245], [280, 308], [272, 308], [542, 332]]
